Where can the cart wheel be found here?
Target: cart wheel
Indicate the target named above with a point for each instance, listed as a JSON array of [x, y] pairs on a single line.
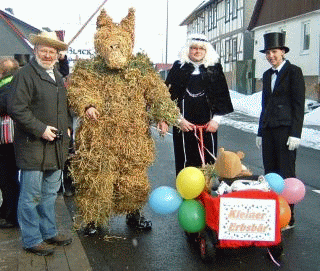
[[208, 241], [276, 251], [192, 238]]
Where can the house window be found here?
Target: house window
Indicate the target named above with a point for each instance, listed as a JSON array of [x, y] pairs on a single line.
[[210, 20], [227, 10], [227, 52], [212, 17], [234, 49], [201, 24], [305, 36], [234, 8], [195, 26]]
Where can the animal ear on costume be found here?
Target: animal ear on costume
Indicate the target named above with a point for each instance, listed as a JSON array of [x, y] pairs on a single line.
[[128, 23], [240, 154], [104, 20]]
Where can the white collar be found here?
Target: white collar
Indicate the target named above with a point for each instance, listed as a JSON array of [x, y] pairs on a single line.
[[280, 66]]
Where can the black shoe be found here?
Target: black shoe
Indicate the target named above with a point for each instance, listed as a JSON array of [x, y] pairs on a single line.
[[136, 220], [90, 229], [41, 249], [59, 240], [4, 224]]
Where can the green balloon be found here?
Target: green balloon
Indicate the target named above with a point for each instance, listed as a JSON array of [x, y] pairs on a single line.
[[192, 216]]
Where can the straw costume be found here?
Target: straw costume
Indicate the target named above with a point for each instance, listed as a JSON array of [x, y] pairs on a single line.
[[113, 154]]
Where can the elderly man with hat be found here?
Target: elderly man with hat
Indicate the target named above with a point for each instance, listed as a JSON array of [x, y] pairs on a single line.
[[281, 120], [38, 105]]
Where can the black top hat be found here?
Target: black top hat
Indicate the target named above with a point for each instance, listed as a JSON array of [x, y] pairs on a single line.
[[274, 40]]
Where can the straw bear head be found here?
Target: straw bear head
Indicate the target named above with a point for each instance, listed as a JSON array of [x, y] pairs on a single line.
[[114, 42]]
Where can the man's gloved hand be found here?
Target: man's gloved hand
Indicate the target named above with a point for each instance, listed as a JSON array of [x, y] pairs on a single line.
[[258, 142], [293, 143]]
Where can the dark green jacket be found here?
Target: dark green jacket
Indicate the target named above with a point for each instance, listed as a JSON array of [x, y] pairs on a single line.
[[36, 102]]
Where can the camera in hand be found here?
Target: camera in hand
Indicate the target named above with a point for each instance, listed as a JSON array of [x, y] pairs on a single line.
[[58, 133]]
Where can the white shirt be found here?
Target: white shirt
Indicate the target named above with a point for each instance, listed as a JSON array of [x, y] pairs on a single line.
[[50, 72]]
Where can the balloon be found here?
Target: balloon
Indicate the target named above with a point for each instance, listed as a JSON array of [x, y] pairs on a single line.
[[294, 190], [190, 182], [275, 182], [285, 212], [192, 216], [165, 200]]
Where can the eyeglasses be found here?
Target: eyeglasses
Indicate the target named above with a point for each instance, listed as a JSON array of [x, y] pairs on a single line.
[[47, 52], [197, 48]]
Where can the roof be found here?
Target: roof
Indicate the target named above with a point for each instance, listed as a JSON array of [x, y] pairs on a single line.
[[271, 11], [194, 14], [15, 30]]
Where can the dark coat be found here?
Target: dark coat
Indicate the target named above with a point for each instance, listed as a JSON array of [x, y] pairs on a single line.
[[36, 102], [63, 66], [214, 85], [285, 105], [4, 92]]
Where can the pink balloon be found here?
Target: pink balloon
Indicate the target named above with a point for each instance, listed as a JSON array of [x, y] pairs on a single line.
[[294, 190]]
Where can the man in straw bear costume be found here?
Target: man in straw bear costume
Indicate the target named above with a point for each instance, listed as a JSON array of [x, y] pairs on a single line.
[[116, 94]]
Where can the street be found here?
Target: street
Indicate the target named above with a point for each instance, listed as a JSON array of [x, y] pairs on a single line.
[[166, 248]]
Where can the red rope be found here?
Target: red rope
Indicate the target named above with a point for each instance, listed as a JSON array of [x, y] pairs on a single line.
[[201, 147], [199, 128]]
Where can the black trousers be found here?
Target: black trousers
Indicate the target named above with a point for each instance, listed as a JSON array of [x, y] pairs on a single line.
[[275, 153], [276, 156], [186, 149], [9, 184]]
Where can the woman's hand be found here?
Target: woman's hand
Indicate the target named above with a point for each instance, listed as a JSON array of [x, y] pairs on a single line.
[[186, 126], [212, 126]]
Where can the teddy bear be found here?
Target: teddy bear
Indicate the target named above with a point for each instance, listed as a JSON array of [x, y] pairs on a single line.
[[228, 164], [114, 148], [227, 168]]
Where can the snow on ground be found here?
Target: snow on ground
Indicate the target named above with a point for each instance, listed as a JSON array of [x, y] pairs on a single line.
[[251, 105]]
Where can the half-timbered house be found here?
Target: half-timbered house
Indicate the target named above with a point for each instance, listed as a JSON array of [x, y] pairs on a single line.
[[225, 23]]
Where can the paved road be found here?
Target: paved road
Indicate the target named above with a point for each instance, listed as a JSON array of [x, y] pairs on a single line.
[[165, 247]]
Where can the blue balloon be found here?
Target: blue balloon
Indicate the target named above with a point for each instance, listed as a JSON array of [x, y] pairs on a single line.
[[275, 181], [165, 200]]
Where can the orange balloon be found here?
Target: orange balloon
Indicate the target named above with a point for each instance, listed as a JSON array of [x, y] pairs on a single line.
[[285, 212]]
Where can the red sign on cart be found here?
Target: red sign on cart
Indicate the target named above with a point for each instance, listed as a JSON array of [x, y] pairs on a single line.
[[247, 219]]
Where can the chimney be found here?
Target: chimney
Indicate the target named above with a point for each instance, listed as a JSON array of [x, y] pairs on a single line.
[[9, 10]]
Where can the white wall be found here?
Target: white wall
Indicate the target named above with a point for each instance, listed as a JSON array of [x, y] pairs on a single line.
[[309, 62]]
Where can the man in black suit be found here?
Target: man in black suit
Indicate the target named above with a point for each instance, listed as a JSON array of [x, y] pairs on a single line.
[[282, 114]]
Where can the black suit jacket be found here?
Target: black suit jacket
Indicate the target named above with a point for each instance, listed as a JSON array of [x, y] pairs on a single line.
[[285, 105]]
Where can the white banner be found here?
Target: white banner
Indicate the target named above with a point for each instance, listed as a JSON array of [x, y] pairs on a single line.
[[247, 219]]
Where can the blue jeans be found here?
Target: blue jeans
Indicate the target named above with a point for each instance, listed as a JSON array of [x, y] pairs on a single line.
[[36, 206]]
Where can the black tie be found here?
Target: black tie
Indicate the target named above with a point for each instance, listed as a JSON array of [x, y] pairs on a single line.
[[274, 71]]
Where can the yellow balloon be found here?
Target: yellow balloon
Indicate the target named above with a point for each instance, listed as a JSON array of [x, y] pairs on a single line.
[[190, 182]]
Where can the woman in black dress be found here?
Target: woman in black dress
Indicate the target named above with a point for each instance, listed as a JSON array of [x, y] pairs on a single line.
[[198, 84]]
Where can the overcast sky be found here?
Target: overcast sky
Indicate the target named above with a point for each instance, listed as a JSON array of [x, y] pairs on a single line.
[[151, 15]]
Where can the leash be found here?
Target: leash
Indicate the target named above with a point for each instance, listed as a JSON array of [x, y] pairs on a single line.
[[199, 129]]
